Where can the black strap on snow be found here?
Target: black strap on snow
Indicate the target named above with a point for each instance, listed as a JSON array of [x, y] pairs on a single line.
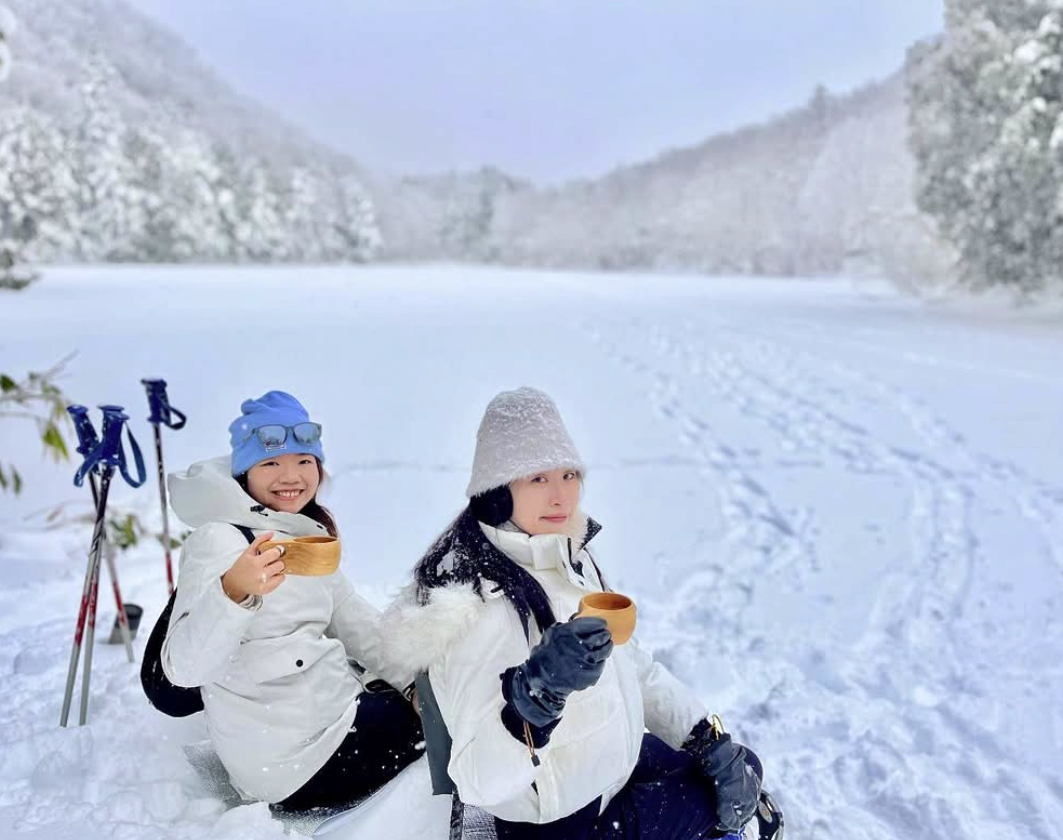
[[466, 821], [437, 741], [170, 699]]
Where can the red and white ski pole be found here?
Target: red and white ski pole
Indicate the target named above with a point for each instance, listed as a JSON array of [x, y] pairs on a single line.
[[163, 414], [108, 555], [105, 456], [87, 441]]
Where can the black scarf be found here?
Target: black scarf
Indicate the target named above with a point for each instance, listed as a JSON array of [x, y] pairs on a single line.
[[464, 555]]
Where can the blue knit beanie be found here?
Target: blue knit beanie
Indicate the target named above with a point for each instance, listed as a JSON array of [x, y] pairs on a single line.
[[275, 407]]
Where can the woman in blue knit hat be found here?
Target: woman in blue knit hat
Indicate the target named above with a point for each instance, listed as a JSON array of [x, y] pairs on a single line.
[[287, 715]]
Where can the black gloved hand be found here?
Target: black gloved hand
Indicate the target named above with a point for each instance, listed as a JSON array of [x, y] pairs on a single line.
[[734, 771], [570, 657]]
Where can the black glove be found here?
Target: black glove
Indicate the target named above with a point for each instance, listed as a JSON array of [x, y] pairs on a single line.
[[735, 773], [570, 657]]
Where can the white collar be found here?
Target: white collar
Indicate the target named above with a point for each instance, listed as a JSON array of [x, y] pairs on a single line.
[[543, 552]]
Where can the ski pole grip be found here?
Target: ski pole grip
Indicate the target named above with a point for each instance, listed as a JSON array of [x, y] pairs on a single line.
[[87, 439], [88, 444], [159, 404], [114, 418], [111, 452]]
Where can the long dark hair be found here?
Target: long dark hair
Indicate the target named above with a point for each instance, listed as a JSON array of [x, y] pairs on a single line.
[[462, 554], [314, 509]]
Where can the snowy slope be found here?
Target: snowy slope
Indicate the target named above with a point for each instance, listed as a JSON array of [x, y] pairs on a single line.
[[840, 511], [159, 72], [823, 189]]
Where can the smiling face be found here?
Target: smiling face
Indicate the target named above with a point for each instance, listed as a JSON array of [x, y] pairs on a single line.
[[545, 502], [286, 483]]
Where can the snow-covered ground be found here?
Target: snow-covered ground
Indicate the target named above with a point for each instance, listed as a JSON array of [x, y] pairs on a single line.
[[840, 512]]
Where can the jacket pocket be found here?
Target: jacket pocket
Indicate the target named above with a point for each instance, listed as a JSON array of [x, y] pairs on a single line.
[[268, 660], [587, 712]]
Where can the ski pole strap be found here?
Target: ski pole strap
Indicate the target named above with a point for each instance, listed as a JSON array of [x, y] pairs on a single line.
[[114, 420], [87, 439], [161, 410], [109, 452]]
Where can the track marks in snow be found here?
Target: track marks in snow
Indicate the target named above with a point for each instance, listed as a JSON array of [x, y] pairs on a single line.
[[889, 705]]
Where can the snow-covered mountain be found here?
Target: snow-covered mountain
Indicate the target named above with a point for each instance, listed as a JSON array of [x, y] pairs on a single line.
[[120, 145], [823, 188], [159, 73]]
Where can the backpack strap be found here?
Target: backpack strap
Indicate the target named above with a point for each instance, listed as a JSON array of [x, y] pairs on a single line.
[[436, 737], [249, 535]]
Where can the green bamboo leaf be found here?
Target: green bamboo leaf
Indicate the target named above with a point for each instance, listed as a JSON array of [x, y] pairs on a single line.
[[16, 480], [7, 383], [125, 532], [53, 439]]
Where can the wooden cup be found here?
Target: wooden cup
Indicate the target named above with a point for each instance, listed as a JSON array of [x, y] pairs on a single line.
[[617, 610], [308, 555]]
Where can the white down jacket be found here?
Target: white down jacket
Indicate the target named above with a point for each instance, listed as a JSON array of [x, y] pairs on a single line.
[[278, 692], [465, 642]]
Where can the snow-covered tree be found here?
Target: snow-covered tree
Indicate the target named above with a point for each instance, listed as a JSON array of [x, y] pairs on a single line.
[[987, 132], [259, 235], [303, 203], [467, 218], [101, 167], [221, 182], [199, 199], [467, 227], [167, 164], [7, 29], [150, 214], [38, 195], [8, 247], [355, 222]]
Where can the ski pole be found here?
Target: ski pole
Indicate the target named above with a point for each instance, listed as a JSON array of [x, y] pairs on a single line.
[[123, 619], [107, 455], [111, 456], [87, 440], [162, 414]]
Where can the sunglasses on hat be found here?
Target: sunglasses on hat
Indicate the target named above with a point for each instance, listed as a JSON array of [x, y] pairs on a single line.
[[275, 436]]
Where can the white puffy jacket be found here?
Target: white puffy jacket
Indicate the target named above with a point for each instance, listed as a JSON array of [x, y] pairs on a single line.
[[277, 689], [465, 643]]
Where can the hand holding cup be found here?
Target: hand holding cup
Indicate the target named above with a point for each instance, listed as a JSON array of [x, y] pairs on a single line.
[[256, 571], [618, 611]]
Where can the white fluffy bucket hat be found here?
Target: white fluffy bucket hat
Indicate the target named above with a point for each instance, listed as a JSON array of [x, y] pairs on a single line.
[[521, 434]]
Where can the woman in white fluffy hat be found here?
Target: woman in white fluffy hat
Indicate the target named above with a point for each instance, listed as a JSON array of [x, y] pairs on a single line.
[[547, 718]]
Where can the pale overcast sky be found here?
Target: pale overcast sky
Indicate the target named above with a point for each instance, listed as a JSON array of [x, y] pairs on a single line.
[[548, 89]]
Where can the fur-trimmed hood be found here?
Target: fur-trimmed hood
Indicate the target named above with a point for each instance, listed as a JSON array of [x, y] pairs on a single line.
[[414, 634], [453, 587]]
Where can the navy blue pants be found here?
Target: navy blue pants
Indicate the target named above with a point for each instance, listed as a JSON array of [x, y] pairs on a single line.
[[386, 738], [666, 798]]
